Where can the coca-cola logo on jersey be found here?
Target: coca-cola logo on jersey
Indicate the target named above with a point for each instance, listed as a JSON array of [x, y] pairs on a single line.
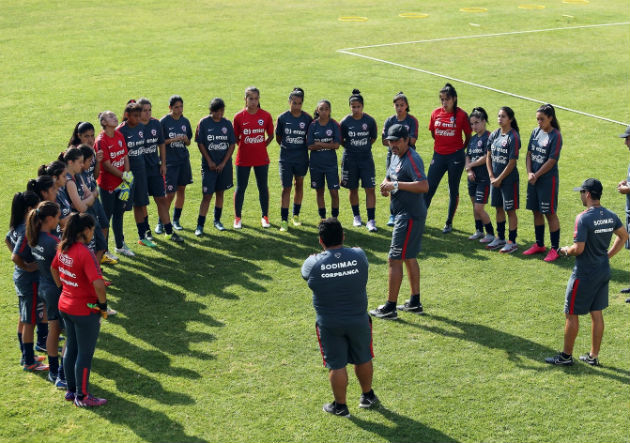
[[257, 139], [329, 132], [261, 122]]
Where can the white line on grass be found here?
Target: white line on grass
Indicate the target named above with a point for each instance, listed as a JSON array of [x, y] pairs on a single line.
[[348, 51]]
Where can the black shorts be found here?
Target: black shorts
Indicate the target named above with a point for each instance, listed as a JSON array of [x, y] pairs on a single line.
[[139, 194], [353, 169], [479, 191], [156, 186], [319, 178], [212, 181], [586, 294], [349, 344], [178, 174], [50, 295], [506, 196], [542, 196], [288, 170], [406, 238], [27, 302]]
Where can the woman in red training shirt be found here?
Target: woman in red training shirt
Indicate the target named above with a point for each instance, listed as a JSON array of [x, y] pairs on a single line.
[[451, 131], [253, 128], [82, 300]]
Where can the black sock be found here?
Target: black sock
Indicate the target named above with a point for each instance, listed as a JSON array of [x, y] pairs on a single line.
[[296, 208], [146, 222], [334, 212], [414, 299], [512, 235], [501, 230], [284, 214], [355, 210], [177, 213], [371, 213], [29, 354], [478, 225], [19, 334], [141, 231], [555, 239], [42, 334], [489, 228], [60, 373], [565, 355], [390, 306], [539, 232], [217, 213], [53, 365], [322, 212], [201, 221], [369, 394], [168, 228]]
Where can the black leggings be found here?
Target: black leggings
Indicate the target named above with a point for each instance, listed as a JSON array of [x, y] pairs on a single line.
[[114, 209], [453, 164], [81, 333], [242, 179]]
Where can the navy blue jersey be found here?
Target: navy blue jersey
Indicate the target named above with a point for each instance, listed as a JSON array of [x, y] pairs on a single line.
[[153, 138], [91, 179], [44, 252], [329, 133], [17, 239], [628, 195], [504, 147], [291, 132], [409, 168], [544, 146], [135, 144], [595, 227], [338, 278], [88, 178], [410, 123], [478, 148], [64, 205], [357, 135], [216, 137], [176, 152]]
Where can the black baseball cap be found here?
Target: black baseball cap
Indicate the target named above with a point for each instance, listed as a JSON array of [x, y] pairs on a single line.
[[591, 185], [396, 132], [626, 134]]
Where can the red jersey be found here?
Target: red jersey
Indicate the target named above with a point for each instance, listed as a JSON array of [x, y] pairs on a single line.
[[78, 269], [115, 150], [250, 132], [447, 130]]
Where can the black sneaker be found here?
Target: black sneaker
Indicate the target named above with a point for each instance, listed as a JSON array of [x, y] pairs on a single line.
[[628, 300], [335, 409], [381, 312], [175, 238], [586, 358], [368, 401], [447, 228], [559, 360], [625, 291], [408, 307]]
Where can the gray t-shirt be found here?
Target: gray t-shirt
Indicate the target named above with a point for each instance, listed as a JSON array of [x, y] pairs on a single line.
[[408, 168], [338, 278], [594, 227], [410, 123]]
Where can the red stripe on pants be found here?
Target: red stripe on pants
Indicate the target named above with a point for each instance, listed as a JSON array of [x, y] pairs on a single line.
[[34, 308], [409, 226], [573, 294], [553, 193], [319, 340]]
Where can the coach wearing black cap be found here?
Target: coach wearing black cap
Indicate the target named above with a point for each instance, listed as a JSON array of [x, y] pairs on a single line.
[[624, 188], [406, 182], [587, 290]]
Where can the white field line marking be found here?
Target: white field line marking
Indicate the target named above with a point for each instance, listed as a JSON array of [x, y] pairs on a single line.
[[348, 51]]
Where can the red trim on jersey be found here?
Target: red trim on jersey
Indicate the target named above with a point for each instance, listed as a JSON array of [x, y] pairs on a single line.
[[517, 142], [417, 127], [553, 193], [573, 294], [23, 245], [413, 164], [485, 194], [558, 143], [319, 340], [409, 227], [34, 304]]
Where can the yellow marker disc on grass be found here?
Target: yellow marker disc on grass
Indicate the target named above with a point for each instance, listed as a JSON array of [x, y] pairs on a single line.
[[413, 15], [474, 10], [531, 6], [353, 18], [576, 2]]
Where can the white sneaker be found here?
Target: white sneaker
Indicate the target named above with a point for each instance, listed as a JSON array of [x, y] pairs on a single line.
[[476, 236], [487, 239], [357, 221], [371, 226], [111, 256], [509, 248], [264, 222], [496, 243], [125, 251], [237, 223]]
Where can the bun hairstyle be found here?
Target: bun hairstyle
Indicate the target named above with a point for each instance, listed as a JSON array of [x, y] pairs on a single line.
[[316, 113], [297, 92], [450, 92], [70, 154], [54, 169], [80, 128], [550, 111], [35, 219], [217, 104], [20, 204], [479, 113], [74, 229], [174, 99], [401, 96], [510, 114], [355, 97], [40, 185]]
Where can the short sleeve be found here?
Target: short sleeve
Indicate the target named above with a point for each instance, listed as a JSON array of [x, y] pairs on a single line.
[[515, 144], [373, 129], [279, 128], [197, 132], [618, 223], [464, 123], [432, 122], [530, 145], [580, 232], [269, 127], [413, 127], [307, 267], [231, 136], [309, 134], [556, 146], [336, 132], [189, 132], [91, 267]]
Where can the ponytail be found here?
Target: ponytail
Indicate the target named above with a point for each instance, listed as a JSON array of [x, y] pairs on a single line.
[[36, 218], [70, 155], [297, 92], [479, 113], [77, 223], [20, 204], [80, 128], [510, 114], [54, 169], [39, 185], [401, 96], [550, 111], [315, 113], [450, 92]]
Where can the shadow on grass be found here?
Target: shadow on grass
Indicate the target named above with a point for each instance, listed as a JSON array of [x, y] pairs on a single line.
[[404, 429], [516, 347]]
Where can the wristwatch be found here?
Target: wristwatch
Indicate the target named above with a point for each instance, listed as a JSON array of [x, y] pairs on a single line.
[[396, 186]]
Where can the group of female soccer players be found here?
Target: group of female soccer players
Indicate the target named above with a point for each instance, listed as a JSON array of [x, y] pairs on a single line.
[[59, 225]]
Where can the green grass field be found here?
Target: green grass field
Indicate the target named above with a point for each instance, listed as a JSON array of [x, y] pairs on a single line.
[[215, 340]]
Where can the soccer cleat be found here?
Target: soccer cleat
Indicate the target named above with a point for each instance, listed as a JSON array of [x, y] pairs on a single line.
[[381, 312], [89, 401], [219, 226], [339, 411], [159, 229], [36, 358], [148, 235], [476, 236], [560, 360], [175, 237], [368, 401], [35, 367], [199, 231], [124, 250], [111, 256], [371, 226], [284, 226], [625, 291], [177, 226], [237, 223], [496, 244], [586, 358], [552, 255], [628, 300], [111, 312], [108, 259], [264, 222], [357, 221], [61, 384], [535, 249], [40, 348], [391, 221], [70, 396], [488, 238], [509, 248], [408, 307], [447, 228], [146, 242], [296, 220]]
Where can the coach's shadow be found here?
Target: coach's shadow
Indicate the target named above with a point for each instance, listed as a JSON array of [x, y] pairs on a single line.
[[514, 346], [404, 429], [435, 244]]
